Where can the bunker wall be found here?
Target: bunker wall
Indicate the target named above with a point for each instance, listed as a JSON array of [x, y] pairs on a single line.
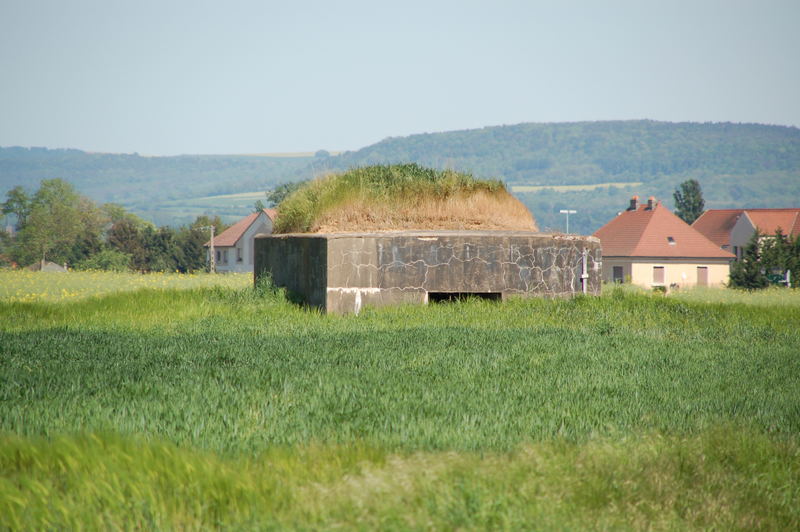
[[385, 268], [299, 264]]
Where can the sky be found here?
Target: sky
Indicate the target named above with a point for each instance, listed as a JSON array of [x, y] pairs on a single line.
[[192, 77]]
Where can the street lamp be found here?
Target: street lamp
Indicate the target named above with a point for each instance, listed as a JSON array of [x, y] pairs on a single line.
[[567, 212]]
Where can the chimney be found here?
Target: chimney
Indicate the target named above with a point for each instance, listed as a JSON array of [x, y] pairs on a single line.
[[634, 203], [651, 202]]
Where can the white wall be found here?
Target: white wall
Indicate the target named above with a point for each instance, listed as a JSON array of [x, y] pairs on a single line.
[[245, 246], [741, 234]]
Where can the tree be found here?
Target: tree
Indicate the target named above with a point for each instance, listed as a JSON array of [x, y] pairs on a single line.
[[107, 259], [125, 237], [93, 222], [191, 255], [204, 222], [748, 272], [776, 253], [19, 204], [259, 206], [115, 213], [689, 201], [54, 220], [280, 192], [161, 249]]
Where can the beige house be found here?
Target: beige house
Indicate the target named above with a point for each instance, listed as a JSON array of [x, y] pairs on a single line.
[[649, 246], [234, 247]]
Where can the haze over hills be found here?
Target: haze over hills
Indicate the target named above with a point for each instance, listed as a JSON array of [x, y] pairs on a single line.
[[604, 162]]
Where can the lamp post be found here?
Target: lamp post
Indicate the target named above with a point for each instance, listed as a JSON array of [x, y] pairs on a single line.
[[567, 212]]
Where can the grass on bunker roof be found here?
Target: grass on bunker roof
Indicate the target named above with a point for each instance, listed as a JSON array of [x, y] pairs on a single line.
[[398, 197]]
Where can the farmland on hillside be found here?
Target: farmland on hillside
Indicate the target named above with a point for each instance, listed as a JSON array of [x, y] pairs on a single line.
[[227, 406]]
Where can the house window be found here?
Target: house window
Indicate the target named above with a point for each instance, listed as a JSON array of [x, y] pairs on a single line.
[[658, 275], [617, 275], [238, 254], [225, 256], [702, 276], [219, 256]]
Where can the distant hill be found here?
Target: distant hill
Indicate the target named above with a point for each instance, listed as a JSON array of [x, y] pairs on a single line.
[[594, 152], [146, 184], [737, 165]]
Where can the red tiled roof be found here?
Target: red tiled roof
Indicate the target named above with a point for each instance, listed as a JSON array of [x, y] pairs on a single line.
[[231, 235], [655, 232], [768, 221], [717, 224]]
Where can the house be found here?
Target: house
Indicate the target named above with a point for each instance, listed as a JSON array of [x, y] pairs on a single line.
[[732, 229], [48, 266], [649, 246], [233, 248]]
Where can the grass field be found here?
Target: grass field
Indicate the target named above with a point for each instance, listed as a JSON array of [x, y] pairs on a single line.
[[28, 286], [227, 407], [230, 207]]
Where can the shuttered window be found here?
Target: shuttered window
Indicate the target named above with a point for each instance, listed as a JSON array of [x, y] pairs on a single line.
[[702, 276], [658, 275]]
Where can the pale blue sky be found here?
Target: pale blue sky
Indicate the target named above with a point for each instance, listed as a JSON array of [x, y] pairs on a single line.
[[169, 77]]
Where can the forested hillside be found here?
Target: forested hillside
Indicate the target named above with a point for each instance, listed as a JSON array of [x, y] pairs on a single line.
[[145, 184], [606, 162], [594, 152]]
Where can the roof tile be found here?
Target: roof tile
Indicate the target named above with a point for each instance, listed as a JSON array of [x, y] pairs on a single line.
[[770, 220], [717, 224], [655, 232]]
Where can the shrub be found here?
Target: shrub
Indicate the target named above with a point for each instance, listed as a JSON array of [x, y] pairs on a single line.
[[108, 259]]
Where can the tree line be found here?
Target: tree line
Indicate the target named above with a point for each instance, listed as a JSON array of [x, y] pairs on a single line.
[[59, 225]]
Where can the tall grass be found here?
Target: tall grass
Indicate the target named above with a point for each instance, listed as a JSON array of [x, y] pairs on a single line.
[[28, 286], [232, 408], [404, 196], [725, 479], [228, 371]]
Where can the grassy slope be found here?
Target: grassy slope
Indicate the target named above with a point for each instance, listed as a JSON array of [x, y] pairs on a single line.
[[241, 410], [401, 197]]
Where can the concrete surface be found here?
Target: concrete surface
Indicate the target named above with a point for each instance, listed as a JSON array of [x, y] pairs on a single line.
[[343, 272]]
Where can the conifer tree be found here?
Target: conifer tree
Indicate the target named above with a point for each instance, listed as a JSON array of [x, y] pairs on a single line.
[[748, 272]]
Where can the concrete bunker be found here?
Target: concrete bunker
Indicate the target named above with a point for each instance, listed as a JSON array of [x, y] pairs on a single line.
[[343, 272]]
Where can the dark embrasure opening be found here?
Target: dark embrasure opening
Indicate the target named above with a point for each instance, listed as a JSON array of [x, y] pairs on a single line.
[[444, 297]]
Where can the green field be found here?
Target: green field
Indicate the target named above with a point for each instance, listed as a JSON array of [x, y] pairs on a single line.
[[230, 207], [226, 407], [573, 188]]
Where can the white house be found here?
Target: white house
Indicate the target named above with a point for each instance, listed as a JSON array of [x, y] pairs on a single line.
[[233, 248]]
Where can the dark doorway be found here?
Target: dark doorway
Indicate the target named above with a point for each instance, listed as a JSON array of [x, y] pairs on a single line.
[[444, 297]]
